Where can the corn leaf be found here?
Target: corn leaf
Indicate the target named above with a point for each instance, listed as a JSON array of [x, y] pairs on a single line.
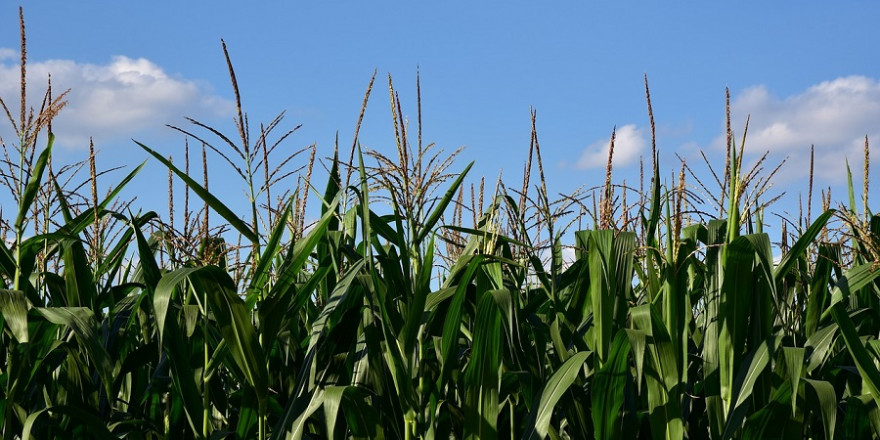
[[210, 199], [608, 390], [538, 422]]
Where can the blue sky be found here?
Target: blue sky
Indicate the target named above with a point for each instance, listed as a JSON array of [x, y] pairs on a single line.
[[807, 73]]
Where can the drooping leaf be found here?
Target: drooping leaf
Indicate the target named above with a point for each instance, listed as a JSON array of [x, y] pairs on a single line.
[[823, 398], [13, 307]]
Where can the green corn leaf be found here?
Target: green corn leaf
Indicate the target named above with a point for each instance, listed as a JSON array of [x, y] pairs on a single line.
[[819, 295], [437, 297], [116, 258], [558, 344], [259, 278], [661, 372], [538, 422], [332, 402], [300, 253], [638, 342], [379, 226], [774, 420], [163, 295], [743, 387], [93, 425], [7, 261], [13, 307], [336, 304], [820, 344], [378, 294], [235, 324], [863, 360], [737, 260], [610, 263], [507, 306], [794, 364], [416, 307], [78, 276], [822, 397], [855, 279], [362, 420], [800, 247], [210, 199], [33, 184], [334, 181], [609, 385], [282, 305], [232, 317], [75, 225], [452, 325], [364, 210], [481, 377], [292, 424], [861, 418], [82, 322], [440, 207]]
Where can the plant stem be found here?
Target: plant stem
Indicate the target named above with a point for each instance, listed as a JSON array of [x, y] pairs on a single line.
[[205, 377], [19, 226]]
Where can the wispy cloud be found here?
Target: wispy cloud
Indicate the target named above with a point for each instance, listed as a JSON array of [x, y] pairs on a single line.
[[112, 101], [835, 116], [628, 145]]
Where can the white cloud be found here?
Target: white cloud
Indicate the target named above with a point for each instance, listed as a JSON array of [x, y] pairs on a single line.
[[628, 145], [834, 116], [112, 101]]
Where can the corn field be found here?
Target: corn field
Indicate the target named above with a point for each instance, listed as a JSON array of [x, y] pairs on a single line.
[[403, 311]]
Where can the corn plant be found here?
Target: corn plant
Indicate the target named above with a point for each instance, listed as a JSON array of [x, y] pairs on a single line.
[[667, 324]]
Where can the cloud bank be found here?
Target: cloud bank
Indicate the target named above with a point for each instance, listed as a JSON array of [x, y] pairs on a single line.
[[110, 102], [628, 145], [834, 116]]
